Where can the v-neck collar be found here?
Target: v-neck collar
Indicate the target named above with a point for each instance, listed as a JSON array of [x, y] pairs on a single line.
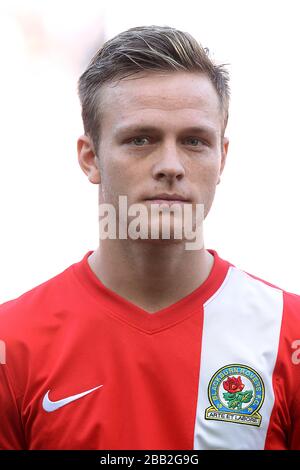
[[132, 314]]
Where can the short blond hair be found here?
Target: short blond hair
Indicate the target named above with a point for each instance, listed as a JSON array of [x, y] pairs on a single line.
[[146, 48]]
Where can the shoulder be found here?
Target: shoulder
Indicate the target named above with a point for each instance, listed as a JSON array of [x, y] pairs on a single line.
[[290, 300], [293, 299], [247, 287], [32, 324], [260, 291], [32, 307]]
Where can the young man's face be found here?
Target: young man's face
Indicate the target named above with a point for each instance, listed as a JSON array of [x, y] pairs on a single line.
[[150, 144]]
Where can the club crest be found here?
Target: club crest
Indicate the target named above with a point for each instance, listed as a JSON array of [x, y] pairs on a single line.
[[236, 393]]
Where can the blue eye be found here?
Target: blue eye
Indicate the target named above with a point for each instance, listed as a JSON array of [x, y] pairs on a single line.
[[140, 140], [193, 139]]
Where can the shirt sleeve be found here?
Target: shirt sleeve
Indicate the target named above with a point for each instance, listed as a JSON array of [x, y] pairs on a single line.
[[295, 427], [292, 365], [11, 430]]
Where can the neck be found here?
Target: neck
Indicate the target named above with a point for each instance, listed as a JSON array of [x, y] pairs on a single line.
[[150, 275]]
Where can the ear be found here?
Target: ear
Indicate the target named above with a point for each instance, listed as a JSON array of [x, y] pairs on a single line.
[[88, 160], [225, 145]]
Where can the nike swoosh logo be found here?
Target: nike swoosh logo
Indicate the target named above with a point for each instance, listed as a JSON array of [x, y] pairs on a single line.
[[49, 405]]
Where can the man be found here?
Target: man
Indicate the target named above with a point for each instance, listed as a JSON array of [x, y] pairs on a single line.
[[145, 344]]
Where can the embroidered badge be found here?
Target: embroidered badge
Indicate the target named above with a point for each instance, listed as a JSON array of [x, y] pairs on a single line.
[[236, 393]]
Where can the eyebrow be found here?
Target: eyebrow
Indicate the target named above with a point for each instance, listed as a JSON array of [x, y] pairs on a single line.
[[152, 129]]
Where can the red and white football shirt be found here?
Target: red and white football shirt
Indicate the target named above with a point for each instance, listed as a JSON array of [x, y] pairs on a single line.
[[87, 369]]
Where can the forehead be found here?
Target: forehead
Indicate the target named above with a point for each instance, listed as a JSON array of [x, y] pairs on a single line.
[[160, 98]]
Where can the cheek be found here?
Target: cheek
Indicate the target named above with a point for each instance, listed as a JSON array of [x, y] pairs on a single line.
[[117, 178], [111, 170], [206, 175], [205, 179]]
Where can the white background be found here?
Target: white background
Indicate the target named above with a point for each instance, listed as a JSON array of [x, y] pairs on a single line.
[[49, 209]]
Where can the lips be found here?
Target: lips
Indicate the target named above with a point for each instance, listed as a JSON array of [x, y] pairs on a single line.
[[167, 197]]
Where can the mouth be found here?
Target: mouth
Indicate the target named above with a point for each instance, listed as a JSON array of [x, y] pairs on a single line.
[[166, 198]]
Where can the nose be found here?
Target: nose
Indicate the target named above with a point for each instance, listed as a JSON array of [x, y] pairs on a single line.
[[168, 165]]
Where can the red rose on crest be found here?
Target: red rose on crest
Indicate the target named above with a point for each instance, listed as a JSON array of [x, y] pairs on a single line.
[[233, 384]]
